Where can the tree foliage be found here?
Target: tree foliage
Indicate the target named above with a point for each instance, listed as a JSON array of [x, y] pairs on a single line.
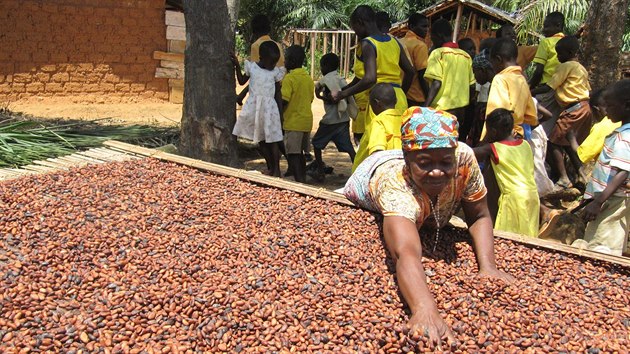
[[323, 14], [531, 14]]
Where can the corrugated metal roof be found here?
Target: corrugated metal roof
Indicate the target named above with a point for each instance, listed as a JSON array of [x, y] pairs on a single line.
[[448, 7]]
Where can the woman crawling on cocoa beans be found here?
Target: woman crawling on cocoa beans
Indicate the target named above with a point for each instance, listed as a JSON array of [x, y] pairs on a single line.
[[417, 190]]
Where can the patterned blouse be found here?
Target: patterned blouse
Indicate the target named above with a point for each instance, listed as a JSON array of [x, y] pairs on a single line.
[[382, 183]]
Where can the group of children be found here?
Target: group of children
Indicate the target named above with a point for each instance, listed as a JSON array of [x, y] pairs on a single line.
[[509, 121], [277, 114]]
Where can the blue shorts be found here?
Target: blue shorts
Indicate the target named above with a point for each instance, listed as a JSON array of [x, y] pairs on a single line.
[[337, 133]]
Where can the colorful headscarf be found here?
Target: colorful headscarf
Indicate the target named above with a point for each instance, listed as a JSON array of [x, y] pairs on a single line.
[[428, 128], [482, 60]]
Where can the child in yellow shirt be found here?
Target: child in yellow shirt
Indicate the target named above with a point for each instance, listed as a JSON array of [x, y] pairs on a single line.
[[545, 63], [592, 146], [298, 90], [571, 86], [449, 71], [509, 89], [384, 131], [512, 162]]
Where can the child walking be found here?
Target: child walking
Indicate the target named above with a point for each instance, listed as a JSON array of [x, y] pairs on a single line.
[[298, 90], [335, 124], [259, 119], [513, 165], [570, 82], [608, 213]]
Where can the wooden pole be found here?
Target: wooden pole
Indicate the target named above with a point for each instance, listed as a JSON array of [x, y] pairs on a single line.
[[325, 43], [313, 46], [347, 62], [468, 24], [334, 42], [340, 53], [458, 21]]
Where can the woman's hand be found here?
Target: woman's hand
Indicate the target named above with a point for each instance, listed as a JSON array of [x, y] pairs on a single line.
[[496, 274], [430, 324]]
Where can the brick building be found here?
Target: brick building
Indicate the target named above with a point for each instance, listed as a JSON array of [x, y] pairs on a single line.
[[88, 50]]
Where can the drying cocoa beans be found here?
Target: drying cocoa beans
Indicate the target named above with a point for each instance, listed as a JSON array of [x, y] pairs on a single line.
[[152, 257]]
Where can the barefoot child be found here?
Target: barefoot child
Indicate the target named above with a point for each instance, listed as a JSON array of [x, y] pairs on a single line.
[[298, 91], [259, 120], [513, 165], [335, 124], [571, 85], [608, 213]]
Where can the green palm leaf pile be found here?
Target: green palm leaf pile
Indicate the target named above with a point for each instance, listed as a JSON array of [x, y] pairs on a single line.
[[24, 141]]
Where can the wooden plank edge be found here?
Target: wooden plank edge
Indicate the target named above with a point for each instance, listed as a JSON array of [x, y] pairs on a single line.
[[556, 246], [72, 162], [79, 159], [39, 169], [51, 164], [116, 153], [335, 197]]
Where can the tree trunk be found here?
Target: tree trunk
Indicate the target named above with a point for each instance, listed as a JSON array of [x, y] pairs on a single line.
[[602, 41], [209, 111], [233, 6]]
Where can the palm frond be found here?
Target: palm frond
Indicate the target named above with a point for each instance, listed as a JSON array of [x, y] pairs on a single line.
[[531, 14]]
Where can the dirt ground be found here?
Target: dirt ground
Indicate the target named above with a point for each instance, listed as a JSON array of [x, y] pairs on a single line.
[[169, 114]]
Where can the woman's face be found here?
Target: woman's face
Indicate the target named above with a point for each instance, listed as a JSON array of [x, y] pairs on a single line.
[[431, 169]]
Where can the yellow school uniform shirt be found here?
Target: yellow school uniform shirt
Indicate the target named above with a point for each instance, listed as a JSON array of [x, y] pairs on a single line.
[[546, 55], [376, 134], [385, 131], [593, 145], [387, 58], [254, 50], [419, 57], [570, 81], [387, 71], [453, 67], [519, 204], [509, 90], [362, 99], [298, 89]]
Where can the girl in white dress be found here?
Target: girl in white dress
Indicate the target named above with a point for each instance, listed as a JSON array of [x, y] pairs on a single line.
[[259, 120]]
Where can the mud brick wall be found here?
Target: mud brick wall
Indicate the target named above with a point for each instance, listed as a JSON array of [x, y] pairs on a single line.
[[88, 50]]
